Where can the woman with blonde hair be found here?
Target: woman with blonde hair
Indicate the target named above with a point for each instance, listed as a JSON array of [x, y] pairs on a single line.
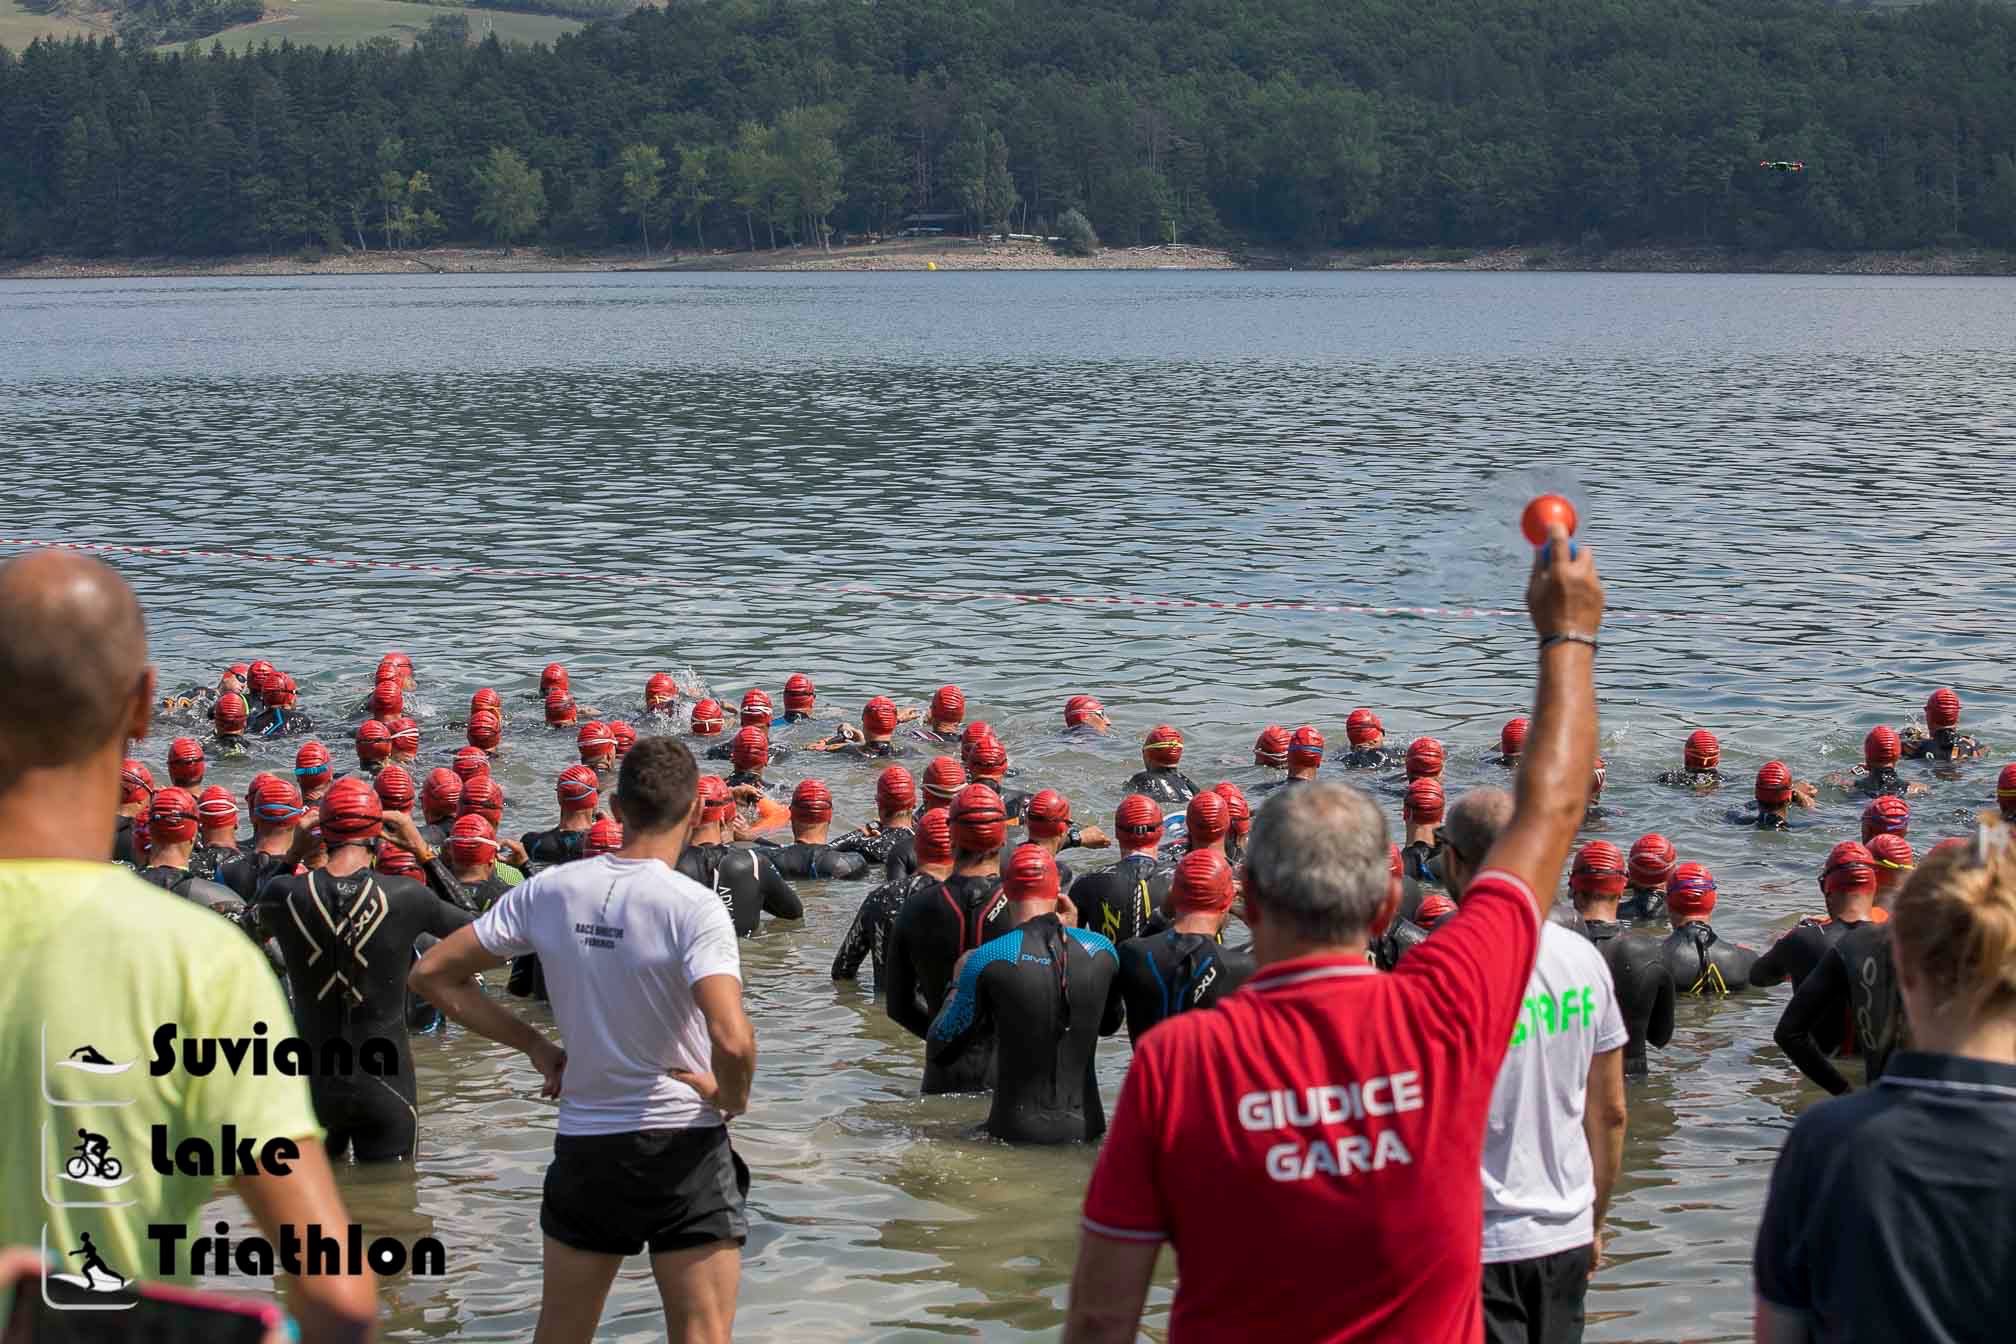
[[1892, 1212]]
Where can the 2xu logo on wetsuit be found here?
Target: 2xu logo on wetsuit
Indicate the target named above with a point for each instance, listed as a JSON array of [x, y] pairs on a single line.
[[1333, 1104]]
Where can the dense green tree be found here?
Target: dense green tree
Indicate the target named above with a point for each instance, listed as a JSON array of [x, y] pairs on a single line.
[[511, 197], [643, 169]]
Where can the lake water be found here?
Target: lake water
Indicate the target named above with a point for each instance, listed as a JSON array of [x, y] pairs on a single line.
[[1798, 489]]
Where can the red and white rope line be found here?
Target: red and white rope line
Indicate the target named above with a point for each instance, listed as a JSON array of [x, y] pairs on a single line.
[[849, 589]]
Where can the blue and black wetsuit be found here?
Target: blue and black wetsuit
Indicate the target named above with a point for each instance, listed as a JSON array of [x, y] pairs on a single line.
[[1119, 903], [1165, 784], [1167, 973], [1798, 950], [193, 886], [1703, 964], [939, 922], [1645, 991], [1039, 998], [1849, 1005], [543, 849], [1941, 744], [746, 880], [815, 863], [276, 722]]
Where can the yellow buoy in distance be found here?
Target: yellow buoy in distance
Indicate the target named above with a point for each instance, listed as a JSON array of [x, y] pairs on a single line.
[[931, 265]]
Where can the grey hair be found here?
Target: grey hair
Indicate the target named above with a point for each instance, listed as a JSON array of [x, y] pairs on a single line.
[[1474, 821], [1318, 860]]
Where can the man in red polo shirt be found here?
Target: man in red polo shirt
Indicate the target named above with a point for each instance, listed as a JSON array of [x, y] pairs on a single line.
[[1311, 1146]]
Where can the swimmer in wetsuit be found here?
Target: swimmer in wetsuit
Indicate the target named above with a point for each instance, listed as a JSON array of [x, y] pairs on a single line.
[[874, 740], [136, 788], [374, 746], [1645, 990], [895, 811], [1848, 881], [1849, 1005], [1039, 997], [942, 719], [1652, 861], [868, 936], [747, 882], [1367, 737], [1877, 775], [1776, 793], [280, 717], [1158, 777], [1944, 741], [1186, 966], [1304, 758], [1048, 817], [1119, 903], [580, 797], [1401, 932], [1084, 716], [171, 830], [661, 694], [1240, 822], [276, 817], [1700, 961], [1596, 811], [1425, 759], [707, 720], [1421, 811], [809, 856], [217, 842], [1894, 865], [386, 702], [1207, 824], [186, 765], [228, 716], [1511, 742], [801, 699], [987, 763], [1700, 764], [1887, 815], [347, 935], [1270, 748], [440, 797], [471, 847], [943, 778], [597, 748], [750, 753], [405, 741], [560, 710], [485, 732], [938, 924]]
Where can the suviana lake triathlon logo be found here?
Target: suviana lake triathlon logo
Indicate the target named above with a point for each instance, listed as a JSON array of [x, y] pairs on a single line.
[[96, 1147]]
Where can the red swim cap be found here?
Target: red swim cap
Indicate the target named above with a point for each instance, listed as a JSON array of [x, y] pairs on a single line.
[[1203, 881], [660, 688], [405, 735], [988, 758], [625, 735], [351, 812], [1702, 751], [313, 757], [799, 692], [716, 803], [374, 741], [1424, 758], [604, 837], [1942, 709], [1139, 822], [185, 761], [171, 816], [578, 789], [229, 713], [257, 673], [387, 699], [1305, 747], [878, 717], [1236, 805], [1393, 859], [756, 708], [274, 800], [1691, 890], [934, 836], [1363, 728], [553, 678], [751, 748], [811, 801], [1881, 748], [473, 841], [1207, 820], [1598, 870], [895, 791], [943, 779], [1652, 860], [1892, 851], [979, 824], [482, 795], [948, 705], [279, 692], [1082, 709], [486, 698], [1849, 868], [136, 782], [390, 668], [1434, 907], [486, 730], [216, 808], [1271, 747], [1886, 816], [1164, 745], [1774, 784], [1425, 802], [595, 741], [707, 718], [2005, 788], [1512, 737], [395, 788], [238, 670], [393, 861], [974, 731], [1597, 773], [560, 709], [440, 793], [1029, 875], [1048, 815], [471, 762]]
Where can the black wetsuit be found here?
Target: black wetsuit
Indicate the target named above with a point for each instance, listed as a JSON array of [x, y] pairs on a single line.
[[1645, 991], [1704, 964], [875, 847], [248, 870], [1692, 779], [868, 936], [815, 863], [1169, 972], [726, 752], [747, 881], [1567, 916], [750, 778], [1014, 802], [122, 842], [482, 895], [1941, 745], [937, 922], [1400, 938], [1798, 950], [1879, 783], [1119, 903], [349, 945], [543, 849], [901, 860], [1165, 784], [191, 885], [1758, 819], [1038, 999], [1642, 905], [233, 744], [1850, 1004], [871, 751], [206, 860], [271, 722], [1371, 758]]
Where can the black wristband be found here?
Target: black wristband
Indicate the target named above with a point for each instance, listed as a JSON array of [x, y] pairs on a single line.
[[1551, 640]]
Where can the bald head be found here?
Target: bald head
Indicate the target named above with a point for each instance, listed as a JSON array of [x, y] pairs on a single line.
[[1475, 820], [73, 662]]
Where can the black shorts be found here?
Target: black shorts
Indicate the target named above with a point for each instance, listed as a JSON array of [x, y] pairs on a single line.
[[1537, 1301], [666, 1189]]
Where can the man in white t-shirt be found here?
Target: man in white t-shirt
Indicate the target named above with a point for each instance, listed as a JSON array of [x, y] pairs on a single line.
[[1555, 1136], [645, 977]]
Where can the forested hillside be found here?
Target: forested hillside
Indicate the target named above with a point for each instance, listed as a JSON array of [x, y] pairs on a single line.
[[1292, 123]]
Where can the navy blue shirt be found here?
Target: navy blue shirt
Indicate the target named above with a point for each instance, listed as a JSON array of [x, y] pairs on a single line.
[[1892, 1213]]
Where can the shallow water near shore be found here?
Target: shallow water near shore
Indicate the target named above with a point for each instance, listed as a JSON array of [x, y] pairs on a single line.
[[1798, 488]]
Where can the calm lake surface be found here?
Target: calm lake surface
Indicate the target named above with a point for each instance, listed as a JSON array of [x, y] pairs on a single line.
[[1798, 486]]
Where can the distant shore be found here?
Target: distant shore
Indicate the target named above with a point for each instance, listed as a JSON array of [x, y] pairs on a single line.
[[973, 255]]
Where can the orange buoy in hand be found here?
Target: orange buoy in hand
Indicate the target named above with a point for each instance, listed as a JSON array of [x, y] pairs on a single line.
[[1543, 513]]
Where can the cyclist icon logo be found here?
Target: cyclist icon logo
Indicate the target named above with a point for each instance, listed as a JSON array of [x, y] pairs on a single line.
[[93, 1163], [88, 1058]]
